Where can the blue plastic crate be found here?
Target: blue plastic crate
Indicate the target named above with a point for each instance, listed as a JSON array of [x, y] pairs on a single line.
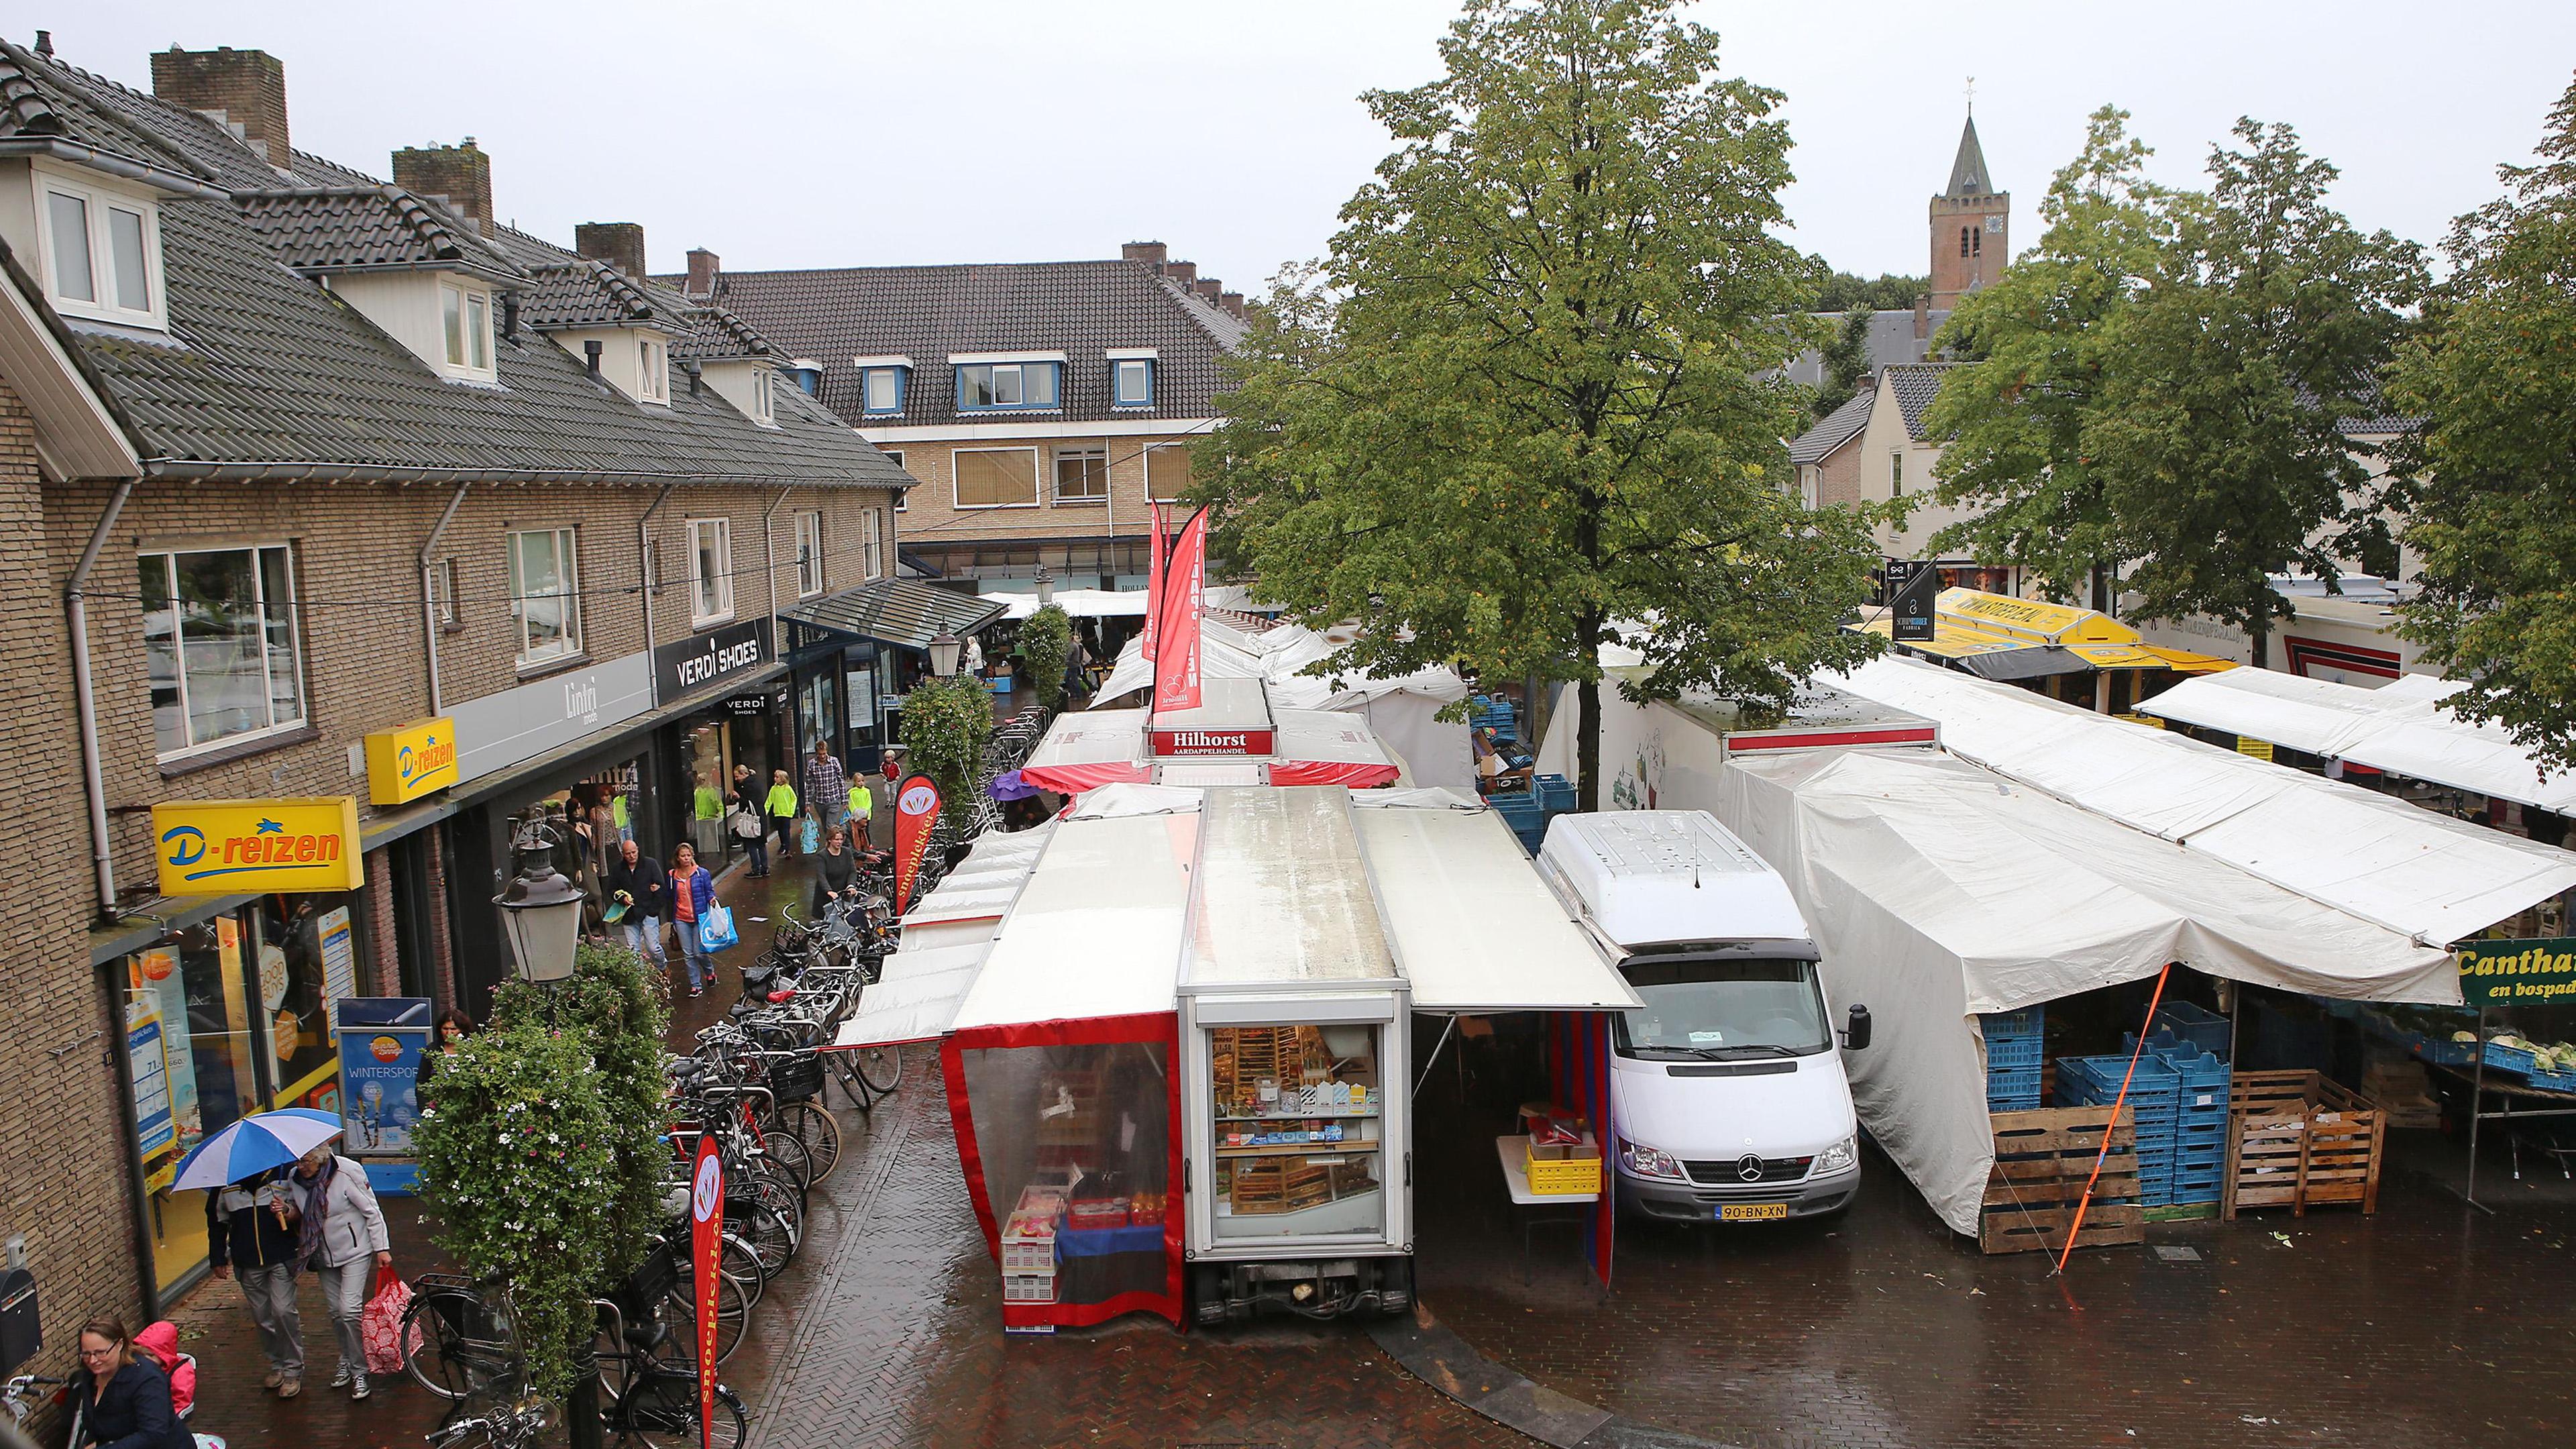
[[2509, 1059], [2554, 1081], [2195, 1024], [2441, 1051], [2011, 1053], [2028, 1021], [2013, 1101]]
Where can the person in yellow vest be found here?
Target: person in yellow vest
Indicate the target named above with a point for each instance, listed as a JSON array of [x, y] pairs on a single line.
[[863, 807], [781, 807]]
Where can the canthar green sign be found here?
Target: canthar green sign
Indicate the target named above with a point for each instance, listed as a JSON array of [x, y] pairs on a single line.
[[2506, 973]]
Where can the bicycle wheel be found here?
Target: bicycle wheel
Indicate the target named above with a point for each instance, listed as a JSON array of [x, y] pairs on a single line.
[[819, 1132], [454, 1344], [881, 1067], [742, 1265], [662, 1413], [680, 1312], [774, 1194], [771, 1240]]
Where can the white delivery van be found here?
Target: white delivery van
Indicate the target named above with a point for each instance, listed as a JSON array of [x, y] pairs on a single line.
[[1726, 1091]]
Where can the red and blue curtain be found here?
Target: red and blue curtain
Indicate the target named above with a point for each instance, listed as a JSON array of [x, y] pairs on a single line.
[[1578, 1068]]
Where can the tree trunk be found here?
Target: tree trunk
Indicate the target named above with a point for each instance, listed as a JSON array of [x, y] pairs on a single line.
[[1587, 746], [2260, 637], [2101, 589]]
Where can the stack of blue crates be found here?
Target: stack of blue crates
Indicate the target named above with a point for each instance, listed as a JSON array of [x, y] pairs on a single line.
[[1486, 710], [2200, 1128], [2155, 1103], [1527, 812], [2013, 1058]]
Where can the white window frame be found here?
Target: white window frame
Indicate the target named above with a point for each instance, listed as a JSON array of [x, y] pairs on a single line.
[[1037, 480], [764, 409], [469, 353], [1118, 397], [901, 503], [699, 582], [567, 546], [809, 553], [653, 371], [295, 624], [872, 543], [1150, 495], [442, 585], [1097, 452], [1896, 472], [97, 203]]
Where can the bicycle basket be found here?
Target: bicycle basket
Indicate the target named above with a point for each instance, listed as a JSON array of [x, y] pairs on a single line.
[[796, 1079]]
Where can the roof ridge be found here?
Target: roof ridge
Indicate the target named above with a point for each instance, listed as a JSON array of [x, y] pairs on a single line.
[[25, 62]]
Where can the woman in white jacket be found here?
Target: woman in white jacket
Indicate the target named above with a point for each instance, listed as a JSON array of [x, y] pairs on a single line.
[[341, 1236]]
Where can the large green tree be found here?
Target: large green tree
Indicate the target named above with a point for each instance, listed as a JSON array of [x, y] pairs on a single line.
[[2492, 471], [1845, 291], [1534, 393], [1846, 359], [2035, 346]]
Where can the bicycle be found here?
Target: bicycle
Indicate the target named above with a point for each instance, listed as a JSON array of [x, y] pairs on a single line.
[[516, 1427]]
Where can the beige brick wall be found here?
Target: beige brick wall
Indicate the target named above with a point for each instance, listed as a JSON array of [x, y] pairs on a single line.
[[930, 517]]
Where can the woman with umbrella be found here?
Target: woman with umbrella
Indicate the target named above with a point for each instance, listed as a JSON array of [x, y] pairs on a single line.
[[253, 1223]]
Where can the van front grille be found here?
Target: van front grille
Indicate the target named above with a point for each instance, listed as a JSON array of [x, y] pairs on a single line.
[[1732, 1174]]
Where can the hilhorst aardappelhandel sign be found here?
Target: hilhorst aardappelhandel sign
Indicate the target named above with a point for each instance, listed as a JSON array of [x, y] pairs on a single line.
[[2510, 973], [1214, 742]]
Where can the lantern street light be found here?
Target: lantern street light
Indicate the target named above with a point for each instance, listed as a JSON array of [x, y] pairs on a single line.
[[541, 910], [1046, 586], [943, 654]]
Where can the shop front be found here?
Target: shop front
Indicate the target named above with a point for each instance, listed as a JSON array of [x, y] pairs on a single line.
[[858, 652], [721, 690]]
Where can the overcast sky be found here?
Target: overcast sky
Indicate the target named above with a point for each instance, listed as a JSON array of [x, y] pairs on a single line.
[[872, 133]]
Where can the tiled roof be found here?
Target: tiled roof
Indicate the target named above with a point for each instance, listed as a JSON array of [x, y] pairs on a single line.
[[1832, 431], [716, 335], [928, 313], [1916, 384], [33, 108], [264, 372], [897, 611], [350, 229], [585, 294]]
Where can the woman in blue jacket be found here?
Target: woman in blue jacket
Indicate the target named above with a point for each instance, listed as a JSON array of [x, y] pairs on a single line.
[[124, 1401], [693, 894]]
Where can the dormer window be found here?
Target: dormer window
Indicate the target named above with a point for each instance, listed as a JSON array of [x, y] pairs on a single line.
[[985, 386], [884, 389], [466, 315], [102, 252], [764, 410], [653, 371], [1131, 377]]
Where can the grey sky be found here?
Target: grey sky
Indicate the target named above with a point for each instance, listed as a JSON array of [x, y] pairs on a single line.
[[871, 133]]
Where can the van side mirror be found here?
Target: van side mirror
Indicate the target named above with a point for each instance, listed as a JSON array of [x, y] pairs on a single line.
[[1856, 1030]]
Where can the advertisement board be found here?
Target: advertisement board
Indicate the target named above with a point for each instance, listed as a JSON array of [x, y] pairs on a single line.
[[381, 1039], [2518, 973], [226, 847], [408, 762]]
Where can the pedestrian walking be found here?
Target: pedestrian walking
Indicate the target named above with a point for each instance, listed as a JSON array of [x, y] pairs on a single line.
[[636, 881], [781, 811], [834, 869], [251, 1237], [827, 786], [881, 786], [693, 893], [747, 821], [340, 1235], [863, 808], [124, 1400], [444, 1038]]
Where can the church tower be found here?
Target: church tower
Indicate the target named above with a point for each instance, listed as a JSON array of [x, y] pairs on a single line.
[[1971, 221]]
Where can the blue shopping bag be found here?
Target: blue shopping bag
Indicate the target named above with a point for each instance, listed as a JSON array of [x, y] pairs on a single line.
[[715, 929], [811, 837]]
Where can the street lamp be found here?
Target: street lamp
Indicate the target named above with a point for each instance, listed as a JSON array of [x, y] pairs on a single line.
[[541, 910], [1046, 586], [944, 650]]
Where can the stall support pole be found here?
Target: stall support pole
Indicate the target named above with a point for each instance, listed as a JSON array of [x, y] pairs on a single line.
[[1433, 1060], [2477, 1105], [2076, 1227]]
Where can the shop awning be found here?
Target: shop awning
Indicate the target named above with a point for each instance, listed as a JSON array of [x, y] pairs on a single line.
[[1080, 603], [1473, 928], [1997, 636], [1089, 749], [2024, 661], [889, 611], [1092, 748], [1096, 934]]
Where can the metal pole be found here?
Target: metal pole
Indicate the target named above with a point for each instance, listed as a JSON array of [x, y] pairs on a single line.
[[581, 1407], [2477, 1103], [429, 596], [102, 857]]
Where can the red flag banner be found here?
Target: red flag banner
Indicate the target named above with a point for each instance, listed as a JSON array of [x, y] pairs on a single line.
[[706, 1248], [1153, 584], [916, 809], [1176, 664]]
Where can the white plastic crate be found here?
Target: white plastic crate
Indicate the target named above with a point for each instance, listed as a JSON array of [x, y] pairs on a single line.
[[1028, 1287], [1028, 1255]]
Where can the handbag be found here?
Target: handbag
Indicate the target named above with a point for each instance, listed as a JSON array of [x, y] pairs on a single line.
[[380, 1324], [715, 929], [746, 825], [810, 838]]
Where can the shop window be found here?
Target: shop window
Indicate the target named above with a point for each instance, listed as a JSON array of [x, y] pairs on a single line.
[[1167, 472], [442, 588], [997, 477], [872, 543], [710, 570], [188, 1035], [544, 595], [1298, 1147], [809, 554], [219, 638], [1082, 475]]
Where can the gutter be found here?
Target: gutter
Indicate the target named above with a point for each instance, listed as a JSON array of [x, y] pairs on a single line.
[[93, 779], [162, 179], [429, 599], [198, 470]]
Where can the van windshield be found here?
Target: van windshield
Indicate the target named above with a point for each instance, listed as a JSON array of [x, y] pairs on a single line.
[[1723, 1010]]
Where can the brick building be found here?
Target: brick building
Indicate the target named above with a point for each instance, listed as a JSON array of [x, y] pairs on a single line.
[[315, 487], [1042, 406]]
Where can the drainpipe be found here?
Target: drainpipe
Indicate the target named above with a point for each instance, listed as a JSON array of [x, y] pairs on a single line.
[[429, 596], [76, 606], [769, 555], [644, 579]]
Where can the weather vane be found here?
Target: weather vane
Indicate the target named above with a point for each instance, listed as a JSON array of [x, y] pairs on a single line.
[[1972, 95]]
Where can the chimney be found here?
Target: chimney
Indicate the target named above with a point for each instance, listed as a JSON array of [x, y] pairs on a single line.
[[1922, 315], [244, 88], [1209, 288], [590, 351], [1152, 254], [704, 267], [618, 243], [460, 175], [1232, 302], [1184, 273]]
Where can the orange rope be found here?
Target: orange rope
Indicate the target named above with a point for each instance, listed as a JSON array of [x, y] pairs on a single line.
[[2117, 1103]]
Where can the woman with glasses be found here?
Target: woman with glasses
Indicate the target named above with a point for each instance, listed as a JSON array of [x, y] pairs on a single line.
[[124, 1400]]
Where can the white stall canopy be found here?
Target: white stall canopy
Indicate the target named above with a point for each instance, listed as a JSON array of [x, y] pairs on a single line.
[[2433, 878], [1097, 931]]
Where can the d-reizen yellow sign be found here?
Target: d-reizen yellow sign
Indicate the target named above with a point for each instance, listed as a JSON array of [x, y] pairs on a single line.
[[406, 763], [219, 847]]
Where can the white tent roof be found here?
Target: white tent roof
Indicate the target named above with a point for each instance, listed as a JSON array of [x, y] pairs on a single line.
[[1278, 655], [1938, 891], [2400, 728], [1082, 604], [946, 937], [1096, 933], [2434, 878]]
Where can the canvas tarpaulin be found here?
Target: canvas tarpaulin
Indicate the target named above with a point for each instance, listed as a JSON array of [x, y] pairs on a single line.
[[1939, 891]]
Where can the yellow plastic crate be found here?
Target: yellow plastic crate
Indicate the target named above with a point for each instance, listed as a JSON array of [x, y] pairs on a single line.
[[1573, 1168]]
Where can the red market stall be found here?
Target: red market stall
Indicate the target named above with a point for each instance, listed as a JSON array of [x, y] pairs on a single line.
[[1234, 737]]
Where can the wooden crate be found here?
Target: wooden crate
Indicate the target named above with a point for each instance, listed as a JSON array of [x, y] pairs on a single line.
[[2043, 1159], [2299, 1139]]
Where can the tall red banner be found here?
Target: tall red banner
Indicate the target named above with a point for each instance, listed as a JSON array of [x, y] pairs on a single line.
[[1176, 661], [916, 809], [1153, 584], [706, 1249]]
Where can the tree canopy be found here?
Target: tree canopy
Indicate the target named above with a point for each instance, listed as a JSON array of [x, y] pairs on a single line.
[[1535, 391], [1844, 292]]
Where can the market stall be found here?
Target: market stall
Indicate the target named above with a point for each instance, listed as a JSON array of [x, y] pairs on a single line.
[[1236, 736]]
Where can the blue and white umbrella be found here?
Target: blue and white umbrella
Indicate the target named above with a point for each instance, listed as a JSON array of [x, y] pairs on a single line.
[[253, 1145]]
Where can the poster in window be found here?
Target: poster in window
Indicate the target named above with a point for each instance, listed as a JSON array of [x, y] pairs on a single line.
[[154, 1134], [339, 955]]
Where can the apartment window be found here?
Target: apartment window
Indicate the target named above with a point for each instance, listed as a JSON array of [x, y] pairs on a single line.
[[986, 386], [872, 543], [809, 555], [1132, 382], [102, 253], [764, 411], [653, 376], [997, 477], [1167, 472], [1082, 475], [900, 503], [442, 588], [220, 644], [1811, 484], [711, 569], [1896, 474], [545, 597], [882, 390], [467, 315]]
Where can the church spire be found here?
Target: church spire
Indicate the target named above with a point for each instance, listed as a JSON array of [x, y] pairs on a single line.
[[1968, 172]]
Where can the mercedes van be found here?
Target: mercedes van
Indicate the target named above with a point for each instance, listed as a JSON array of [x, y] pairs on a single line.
[[1727, 1095]]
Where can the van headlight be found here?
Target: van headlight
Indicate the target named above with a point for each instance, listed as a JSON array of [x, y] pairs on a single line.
[[1841, 1157], [1649, 1161]]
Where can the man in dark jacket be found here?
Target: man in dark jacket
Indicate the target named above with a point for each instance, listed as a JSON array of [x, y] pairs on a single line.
[[637, 881], [250, 1234]]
